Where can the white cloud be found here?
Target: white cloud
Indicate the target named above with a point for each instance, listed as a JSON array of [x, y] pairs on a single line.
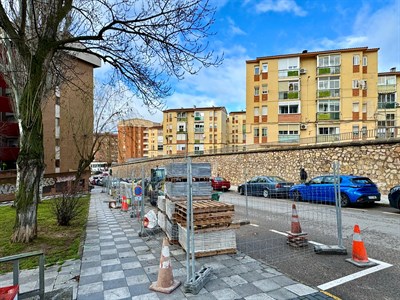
[[235, 30], [280, 6]]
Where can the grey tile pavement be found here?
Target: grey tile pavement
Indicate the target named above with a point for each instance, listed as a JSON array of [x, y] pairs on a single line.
[[118, 264]]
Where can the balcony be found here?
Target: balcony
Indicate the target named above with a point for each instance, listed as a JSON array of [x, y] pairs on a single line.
[[199, 141], [288, 95], [182, 119], [322, 116], [328, 138], [199, 119], [288, 73], [199, 152], [288, 138], [329, 93], [328, 70], [199, 130], [388, 88], [387, 105]]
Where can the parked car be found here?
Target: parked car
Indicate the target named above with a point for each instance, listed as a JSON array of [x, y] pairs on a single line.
[[353, 189], [267, 186], [394, 197], [220, 183]]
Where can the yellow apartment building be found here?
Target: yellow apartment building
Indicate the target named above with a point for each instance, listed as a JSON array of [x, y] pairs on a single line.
[[133, 138], [194, 130], [236, 130], [388, 116], [156, 140], [311, 96]]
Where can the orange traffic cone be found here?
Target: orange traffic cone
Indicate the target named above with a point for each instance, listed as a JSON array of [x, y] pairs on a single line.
[[296, 237], [165, 282], [295, 228], [9, 292], [359, 255], [124, 204]]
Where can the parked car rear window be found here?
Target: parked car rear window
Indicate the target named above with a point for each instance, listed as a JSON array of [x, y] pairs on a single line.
[[362, 180]]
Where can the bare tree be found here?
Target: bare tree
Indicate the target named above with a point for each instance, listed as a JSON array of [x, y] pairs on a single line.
[[145, 41]]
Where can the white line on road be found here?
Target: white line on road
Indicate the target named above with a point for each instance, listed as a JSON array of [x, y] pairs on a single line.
[[381, 265], [255, 225]]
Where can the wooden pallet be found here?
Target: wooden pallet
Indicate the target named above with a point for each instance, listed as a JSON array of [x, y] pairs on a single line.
[[215, 252], [205, 206]]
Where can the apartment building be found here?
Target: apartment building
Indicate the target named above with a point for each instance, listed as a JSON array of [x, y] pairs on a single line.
[[156, 140], [107, 143], [133, 138], [67, 119], [311, 95], [194, 130], [236, 130], [388, 116]]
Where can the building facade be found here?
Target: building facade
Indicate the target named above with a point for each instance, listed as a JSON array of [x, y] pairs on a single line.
[[236, 130], [311, 95], [194, 130], [133, 139], [156, 141], [388, 116], [107, 143]]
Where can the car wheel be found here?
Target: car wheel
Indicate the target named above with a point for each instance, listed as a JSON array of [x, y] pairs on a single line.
[[266, 194], [344, 200], [240, 190], [296, 196]]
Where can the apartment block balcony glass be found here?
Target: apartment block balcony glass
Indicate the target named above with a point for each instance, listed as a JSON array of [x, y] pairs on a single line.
[[387, 105], [288, 73], [324, 138], [288, 95], [183, 119], [199, 152], [199, 118], [328, 70], [322, 116], [199, 130], [288, 138], [328, 93], [199, 141]]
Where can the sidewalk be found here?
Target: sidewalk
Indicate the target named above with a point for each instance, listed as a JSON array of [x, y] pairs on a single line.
[[118, 264]]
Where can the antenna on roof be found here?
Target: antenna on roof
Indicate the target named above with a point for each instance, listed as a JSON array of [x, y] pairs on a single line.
[[393, 69], [305, 51]]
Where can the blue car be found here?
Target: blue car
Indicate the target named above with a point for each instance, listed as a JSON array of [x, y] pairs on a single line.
[[353, 190]]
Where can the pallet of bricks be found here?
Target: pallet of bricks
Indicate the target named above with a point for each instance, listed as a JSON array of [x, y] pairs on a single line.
[[212, 220], [176, 191]]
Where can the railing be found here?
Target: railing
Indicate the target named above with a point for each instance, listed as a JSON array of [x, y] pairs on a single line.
[[387, 105], [328, 93], [15, 260], [328, 70], [328, 116], [288, 73], [288, 95]]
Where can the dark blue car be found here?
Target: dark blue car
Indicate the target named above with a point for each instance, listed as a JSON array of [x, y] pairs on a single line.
[[353, 189]]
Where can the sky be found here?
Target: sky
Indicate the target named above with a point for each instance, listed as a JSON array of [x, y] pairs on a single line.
[[246, 29]]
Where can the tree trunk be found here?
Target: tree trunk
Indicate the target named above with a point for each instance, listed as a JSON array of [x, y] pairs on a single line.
[[30, 162]]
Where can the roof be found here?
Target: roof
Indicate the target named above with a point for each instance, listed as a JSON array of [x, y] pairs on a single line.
[[306, 54], [238, 112], [194, 109], [397, 73]]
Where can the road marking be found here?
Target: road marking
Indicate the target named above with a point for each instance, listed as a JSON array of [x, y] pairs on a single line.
[[391, 213], [255, 225], [381, 265]]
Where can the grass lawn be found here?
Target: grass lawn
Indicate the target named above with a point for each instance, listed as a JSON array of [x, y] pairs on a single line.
[[58, 243]]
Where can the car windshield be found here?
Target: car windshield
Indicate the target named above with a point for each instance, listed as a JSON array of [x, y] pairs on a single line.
[[363, 180], [219, 179], [276, 179]]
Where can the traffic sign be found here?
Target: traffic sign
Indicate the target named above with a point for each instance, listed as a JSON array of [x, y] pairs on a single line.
[[138, 190]]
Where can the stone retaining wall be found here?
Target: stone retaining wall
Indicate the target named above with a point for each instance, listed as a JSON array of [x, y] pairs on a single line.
[[380, 161]]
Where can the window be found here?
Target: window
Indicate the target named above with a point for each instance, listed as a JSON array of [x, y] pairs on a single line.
[[356, 60], [326, 83], [364, 108], [364, 131], [329, 106], [387, 98], [387, 80], [356, 107], [265, 68], [264, 131], [181, 127], [256, 111], [57, 122], [328, 130], [288, 133], [356, 130], [289, 108], [289, 63], [181, 137], [390, 119], [329, 60], [355, 84], [256, 70], [363, 84], [365, 61], [181, 147], [264, 110], [265, 89], [256, 132], [57, 163], [256, 91]]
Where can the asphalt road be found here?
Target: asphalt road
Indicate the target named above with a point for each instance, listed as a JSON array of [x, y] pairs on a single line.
[[264, 238]]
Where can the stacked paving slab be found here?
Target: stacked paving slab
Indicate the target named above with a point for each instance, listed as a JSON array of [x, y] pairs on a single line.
[[212, 220]]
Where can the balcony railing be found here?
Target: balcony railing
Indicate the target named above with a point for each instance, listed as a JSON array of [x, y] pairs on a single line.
[[288, 138], [328, 70], [198, 119], [325, 138], [387, 105], [288, 73], [288, 95], [199, 130], [321, 116], [329, 93], [182, 119]]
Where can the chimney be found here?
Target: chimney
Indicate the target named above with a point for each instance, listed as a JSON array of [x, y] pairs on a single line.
[[305, 51], [393, 69]]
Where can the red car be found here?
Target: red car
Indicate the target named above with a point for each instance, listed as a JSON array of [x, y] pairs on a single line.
[[220, 183]]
